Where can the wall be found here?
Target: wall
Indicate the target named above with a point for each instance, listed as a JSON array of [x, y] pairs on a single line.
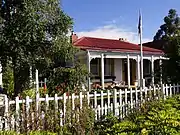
[[118, 69]]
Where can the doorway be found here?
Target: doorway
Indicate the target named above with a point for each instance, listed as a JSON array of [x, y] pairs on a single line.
[[132, 71]]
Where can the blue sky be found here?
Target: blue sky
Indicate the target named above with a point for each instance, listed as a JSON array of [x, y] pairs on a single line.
[[118, 18]]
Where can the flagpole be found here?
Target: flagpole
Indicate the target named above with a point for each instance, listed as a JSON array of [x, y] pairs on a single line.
[[141, 51]]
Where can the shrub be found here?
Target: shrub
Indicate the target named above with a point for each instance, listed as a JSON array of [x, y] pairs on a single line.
[[155, 117], [31, 133], [32, 93], [8, 133], [42, 133], [8, 81]]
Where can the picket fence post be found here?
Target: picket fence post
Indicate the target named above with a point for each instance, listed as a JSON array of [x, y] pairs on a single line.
[[154, 91], [167, 91], [174, 89], [102, 103], [131, 98], [99, 111], [55, 106], [145, 97], [125, 96], [170, 89], [37, 103], [27, 107], [61, 117], [95, 100], [64, 107], [17, 113], [56, 102], [105, 109], [120, 103], [72, 101], [1, 123], [136, 94], [6, 112], [141, 95], [88, 98], [163, 91], [80, 100], [95, 105], [115, 100], [178, 90], [47, 102], [108, 100]]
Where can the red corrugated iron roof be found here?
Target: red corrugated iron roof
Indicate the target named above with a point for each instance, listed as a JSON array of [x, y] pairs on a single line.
[[91, 43], [158, 44]]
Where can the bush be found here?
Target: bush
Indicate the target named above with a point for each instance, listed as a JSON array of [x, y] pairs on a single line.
[[42, 133], [31, 133], [8, 133], [8, 81], [155, 117], [32, 93], [76, 121]]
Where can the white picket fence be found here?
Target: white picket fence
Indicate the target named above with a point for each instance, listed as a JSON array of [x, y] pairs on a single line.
[[102, 102]]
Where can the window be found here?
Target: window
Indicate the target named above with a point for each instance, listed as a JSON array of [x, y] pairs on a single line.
[[95, 66], [108, 67], [147, 67]]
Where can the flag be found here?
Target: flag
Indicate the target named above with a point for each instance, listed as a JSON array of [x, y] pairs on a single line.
[[140, 24]]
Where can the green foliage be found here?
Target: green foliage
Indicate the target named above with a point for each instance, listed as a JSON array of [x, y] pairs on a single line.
[[8, 133], [82, 120], [69, 80], [41, 133], [170, 33], [32, 93], [155, 117], [170, 27], [32, 33], [79, 120], [31, 133], [102, 128], [8, 81]]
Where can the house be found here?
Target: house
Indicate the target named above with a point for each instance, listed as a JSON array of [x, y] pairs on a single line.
[[117, 61], [158, 44]]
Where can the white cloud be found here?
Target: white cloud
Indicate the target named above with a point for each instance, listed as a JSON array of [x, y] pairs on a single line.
[[112, 31]]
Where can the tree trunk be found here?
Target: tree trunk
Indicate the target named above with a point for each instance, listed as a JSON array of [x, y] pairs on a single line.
[[21, 77], [17, 85]]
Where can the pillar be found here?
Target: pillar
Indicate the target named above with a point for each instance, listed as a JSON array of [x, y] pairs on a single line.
[[142, 81], [102, 70], [138, 69], [152, 69], [160, 64], [128, 69], [89, 70]]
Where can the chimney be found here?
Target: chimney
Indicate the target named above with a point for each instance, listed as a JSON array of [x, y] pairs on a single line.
[[123, 39], [74, 38]]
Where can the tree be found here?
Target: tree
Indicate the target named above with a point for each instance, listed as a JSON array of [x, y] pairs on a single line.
[[33, 32], [170, 28], [170, 33]]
